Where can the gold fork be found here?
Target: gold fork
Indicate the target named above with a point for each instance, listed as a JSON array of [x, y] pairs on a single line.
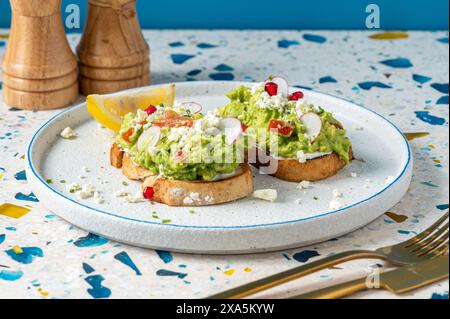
[[429, 244]]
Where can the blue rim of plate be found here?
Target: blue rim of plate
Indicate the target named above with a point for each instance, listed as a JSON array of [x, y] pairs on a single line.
[[30, 146]]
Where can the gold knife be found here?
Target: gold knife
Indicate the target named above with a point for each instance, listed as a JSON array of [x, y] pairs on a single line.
[[397, 281]]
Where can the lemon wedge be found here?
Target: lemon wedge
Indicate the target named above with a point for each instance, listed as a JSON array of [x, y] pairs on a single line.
[[110, 109]]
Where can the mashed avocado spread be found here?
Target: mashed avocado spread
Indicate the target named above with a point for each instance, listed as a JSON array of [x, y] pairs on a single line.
[[258, 110], [176, 144]]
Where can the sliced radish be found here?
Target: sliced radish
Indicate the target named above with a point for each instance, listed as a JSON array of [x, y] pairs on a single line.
[[312, 123], [193, 107], [282, 83], [231, 128], [149, 138]]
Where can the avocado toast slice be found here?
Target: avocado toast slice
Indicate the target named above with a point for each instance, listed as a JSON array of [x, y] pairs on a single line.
[[182, 157], [307, 142]]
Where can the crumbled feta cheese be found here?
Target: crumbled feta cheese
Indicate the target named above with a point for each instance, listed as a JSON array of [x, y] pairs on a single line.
[[266, 194], [210, 120], [276, 101], [121, 193], [195, 196], [209, 199], [353, 175], [188, 201], [301, 156], [86, 169], [389, 180], [87, 191], [98, 197], [304, 185], [136, 198], [67, 133], [337, 193], [177, 191], [335, 204], [73, 188]]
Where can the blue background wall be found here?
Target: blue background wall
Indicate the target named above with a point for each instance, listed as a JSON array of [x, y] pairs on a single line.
[[279, 14]]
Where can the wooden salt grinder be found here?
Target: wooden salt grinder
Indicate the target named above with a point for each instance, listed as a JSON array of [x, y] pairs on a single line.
[[39, 68], [113, 54]]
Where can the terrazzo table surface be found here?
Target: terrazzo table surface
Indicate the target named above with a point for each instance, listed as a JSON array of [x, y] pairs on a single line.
[[405, 79]]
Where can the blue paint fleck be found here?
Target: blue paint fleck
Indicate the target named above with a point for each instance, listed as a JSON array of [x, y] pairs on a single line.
[[421, 78], [50, 216], [431, 119], [91, 240], [443, 40], [369, 85], [314, 38], [441, 87], [88, 268], [327, 79], [305, 255], [206, 46], [194, 72], [2, 238], [222, 76], [2, 44], [430, 184], [98, 291], [165, 256], [169, 273], [21, 176], [27, 256], [440, 296], [29, 198], [181, 58], [399, 63], [443, 100], [124, 258], [284, 44], [404, 232], [223, 68], [442, 206], [10, 228], [10, 275], [176, 44]]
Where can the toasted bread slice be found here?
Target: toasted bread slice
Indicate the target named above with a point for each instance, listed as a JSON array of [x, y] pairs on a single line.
[[187, 193], [316, 169]]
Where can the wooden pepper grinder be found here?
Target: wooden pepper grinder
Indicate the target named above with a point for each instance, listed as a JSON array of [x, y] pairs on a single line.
[[113, 54], [39, 68]]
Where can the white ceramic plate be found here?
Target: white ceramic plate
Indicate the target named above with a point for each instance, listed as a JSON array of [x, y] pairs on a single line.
[[248, 225]]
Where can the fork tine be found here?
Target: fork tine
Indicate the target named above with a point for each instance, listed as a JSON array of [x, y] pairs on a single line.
[[442, 250], [434, 245], [430, 239], [427, 232]]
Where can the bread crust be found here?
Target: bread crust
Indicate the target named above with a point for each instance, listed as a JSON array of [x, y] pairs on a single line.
[[132, 170], [198, 193], [320, 168], [185, 193]]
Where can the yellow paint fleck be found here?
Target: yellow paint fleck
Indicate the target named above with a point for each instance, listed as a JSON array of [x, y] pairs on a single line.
[[248, 269], [229, 272], [431, 146], [413, 136], [1, 176], [18, 250], [437, 161], [4, 36], [13, 211], [389, 36], [43, 293]]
